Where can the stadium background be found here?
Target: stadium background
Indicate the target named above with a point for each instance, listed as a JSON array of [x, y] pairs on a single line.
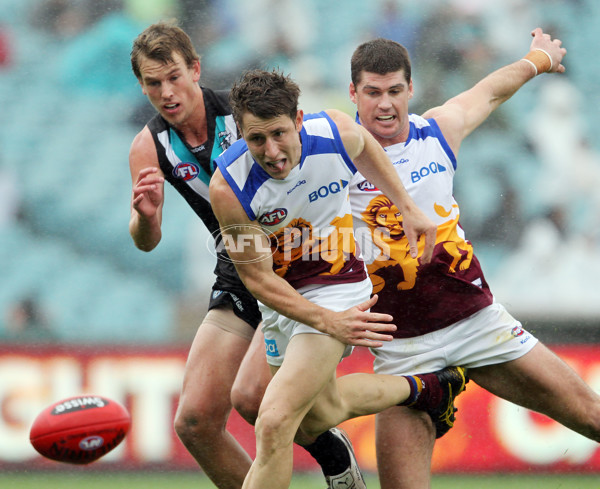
[[81, 308]]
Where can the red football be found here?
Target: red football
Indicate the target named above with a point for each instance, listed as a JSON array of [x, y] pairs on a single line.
[[80, 429]]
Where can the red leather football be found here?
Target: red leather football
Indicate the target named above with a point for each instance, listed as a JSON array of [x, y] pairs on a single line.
[[80, 429]]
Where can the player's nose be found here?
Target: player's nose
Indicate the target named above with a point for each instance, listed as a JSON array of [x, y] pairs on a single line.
[[271, 149]]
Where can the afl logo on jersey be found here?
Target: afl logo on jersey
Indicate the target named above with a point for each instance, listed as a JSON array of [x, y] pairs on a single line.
[[186, 171], [273, 218], [366, 186]]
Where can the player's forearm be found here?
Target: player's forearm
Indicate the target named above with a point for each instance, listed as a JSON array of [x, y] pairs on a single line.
[[476, 104], [279, 295], [503, 83], [146, 233]]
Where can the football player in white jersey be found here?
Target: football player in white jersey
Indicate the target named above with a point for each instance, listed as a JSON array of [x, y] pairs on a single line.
[[446, 307], [281, 198], [193, 124]]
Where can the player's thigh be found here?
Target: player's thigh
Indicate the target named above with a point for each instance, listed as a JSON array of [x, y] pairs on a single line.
[[212, 364], [308, 368], [326, 406], [539, 380], [254, 369]]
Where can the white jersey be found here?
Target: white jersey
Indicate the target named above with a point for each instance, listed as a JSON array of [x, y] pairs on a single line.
[[452, 287], [307, 214]]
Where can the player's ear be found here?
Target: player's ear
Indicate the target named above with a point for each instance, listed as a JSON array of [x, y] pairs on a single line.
[[410, 89], [196, 69], [299, 119], [352, 91], [239, 129]]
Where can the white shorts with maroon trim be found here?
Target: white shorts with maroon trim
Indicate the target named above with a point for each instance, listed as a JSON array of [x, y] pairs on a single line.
[[488, 337]]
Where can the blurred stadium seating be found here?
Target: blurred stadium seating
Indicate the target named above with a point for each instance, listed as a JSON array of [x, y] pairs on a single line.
[[67, 141]]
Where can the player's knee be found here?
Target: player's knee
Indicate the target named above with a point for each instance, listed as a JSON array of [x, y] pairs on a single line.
[[275, 428], [247, 392], [186, 425], [197, 424], [246, 402]]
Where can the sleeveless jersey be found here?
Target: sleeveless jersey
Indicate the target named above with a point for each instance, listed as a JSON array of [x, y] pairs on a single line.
[[307, 215], [452, 286], [189, 172]]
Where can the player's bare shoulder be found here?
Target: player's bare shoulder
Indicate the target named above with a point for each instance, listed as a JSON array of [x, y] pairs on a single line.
[[342, 120], [222, 196], [142, 153], [451, 119], [350, 132], [217, 184], [224, 201]]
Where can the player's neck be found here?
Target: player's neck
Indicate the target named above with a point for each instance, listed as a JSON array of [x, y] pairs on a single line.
[[194, 128], [386, 142]]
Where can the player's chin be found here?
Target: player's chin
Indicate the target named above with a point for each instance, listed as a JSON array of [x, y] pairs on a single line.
[[388, 127], [172, 119], [173, 116], [382, 132]]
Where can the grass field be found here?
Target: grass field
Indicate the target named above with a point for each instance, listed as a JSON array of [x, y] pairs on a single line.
[[161, 480]]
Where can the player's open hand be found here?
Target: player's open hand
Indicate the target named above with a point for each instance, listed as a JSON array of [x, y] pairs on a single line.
[[359, 327], [552, 46], [148, 192]]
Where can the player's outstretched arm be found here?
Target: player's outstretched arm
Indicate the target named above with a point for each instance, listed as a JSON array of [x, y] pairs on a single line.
[[462, 114]]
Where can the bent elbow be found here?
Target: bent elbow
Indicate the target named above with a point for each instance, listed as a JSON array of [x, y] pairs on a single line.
[[145, 247], [144, 244]]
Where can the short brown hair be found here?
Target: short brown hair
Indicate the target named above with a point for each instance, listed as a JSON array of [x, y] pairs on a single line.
[[159, 42], [379, 56], [265, 94]]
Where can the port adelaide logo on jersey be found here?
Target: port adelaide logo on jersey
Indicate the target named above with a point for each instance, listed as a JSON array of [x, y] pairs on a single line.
[[186, 171], [274, 217]]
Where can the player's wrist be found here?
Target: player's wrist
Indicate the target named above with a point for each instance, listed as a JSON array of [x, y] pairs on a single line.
[[540, 60], [321, 320]]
